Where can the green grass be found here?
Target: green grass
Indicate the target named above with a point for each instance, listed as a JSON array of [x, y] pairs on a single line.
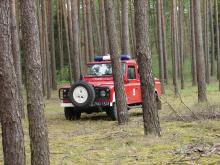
[[96, 140]]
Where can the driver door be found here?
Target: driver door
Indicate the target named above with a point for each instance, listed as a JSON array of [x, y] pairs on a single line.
[[132, 88]]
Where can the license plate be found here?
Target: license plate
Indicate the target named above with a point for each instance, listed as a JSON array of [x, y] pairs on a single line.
[[101, 103]]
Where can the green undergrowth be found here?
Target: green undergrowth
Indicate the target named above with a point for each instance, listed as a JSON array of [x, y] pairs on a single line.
[[96, 140]]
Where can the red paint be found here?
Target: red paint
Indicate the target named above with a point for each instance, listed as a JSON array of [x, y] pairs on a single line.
[[132, 87]]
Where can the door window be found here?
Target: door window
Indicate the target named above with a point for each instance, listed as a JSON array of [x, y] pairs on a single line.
[[131, 73]]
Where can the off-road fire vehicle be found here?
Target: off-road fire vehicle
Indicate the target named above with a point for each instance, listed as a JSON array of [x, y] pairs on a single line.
[[95, 91]]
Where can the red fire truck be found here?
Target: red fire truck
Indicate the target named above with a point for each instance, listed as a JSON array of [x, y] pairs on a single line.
[[95, 91]]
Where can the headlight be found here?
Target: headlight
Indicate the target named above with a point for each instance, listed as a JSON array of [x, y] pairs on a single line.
[[102, 93]]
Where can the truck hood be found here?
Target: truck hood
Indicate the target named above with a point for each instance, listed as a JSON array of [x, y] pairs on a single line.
[[100, 81]]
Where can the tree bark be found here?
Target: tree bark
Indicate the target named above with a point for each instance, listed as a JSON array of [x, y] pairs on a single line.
[[200, 63], [70, 39], [90, 32], [51, 44], [86, 41], [46, 48], [16, 55], [31, 46], [116, 64], [133, 37], [104, 34], [80, 38], [160, 45], [76, 51], [12, 132], [60, 37], [212, 58], [181, 40], [217, 41], [125, 47], [96, 27], [163, 24], [174, 46], [117, 4], [193, 49], [65, 17], [150, 113], [206, 41], [42, 47]]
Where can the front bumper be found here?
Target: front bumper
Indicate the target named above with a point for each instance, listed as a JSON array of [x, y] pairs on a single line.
[[95, 104]]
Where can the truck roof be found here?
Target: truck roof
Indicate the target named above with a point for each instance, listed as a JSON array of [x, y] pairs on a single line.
[[108, 61]]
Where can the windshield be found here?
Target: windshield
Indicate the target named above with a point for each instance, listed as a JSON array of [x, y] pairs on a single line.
[[101, 69]]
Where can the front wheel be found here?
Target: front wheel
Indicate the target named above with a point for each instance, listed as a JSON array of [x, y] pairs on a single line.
[[112, 112], [71, 114]]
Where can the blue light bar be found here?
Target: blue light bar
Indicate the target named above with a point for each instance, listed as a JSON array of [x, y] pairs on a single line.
[[125, 57], [98, 58], [102, 58], [107, 58]]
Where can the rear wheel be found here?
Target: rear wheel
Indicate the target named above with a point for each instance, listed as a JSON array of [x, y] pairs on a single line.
[[112, 112], [71, 114]]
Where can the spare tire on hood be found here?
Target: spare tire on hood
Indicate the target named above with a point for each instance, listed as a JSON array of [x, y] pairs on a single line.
[[82, 94]]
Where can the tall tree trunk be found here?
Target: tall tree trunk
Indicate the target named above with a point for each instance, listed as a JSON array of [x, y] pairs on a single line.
[[60, 37], [117, 4], [83, 54], [125, 44], [174, 46], [76, 51], [79, 35], [212, 58], [200, 62], [16, 54], [104, 34], [86, 41], [150, 113], [65, 17], [163, 24], [160, 45], [51, 44], [31, 46], [70, 39], [90, 32], [12, 133], [132, 28], [193, 49], [46, 48], [42, 48], [116, 64], [217, 41], [181, 40], [206, 41], [96, 27]]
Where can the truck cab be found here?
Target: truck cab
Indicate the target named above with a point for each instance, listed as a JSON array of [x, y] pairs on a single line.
[[95, 91]]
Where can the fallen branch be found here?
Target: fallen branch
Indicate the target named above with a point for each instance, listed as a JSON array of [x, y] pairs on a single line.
[[175, 112], [188, 107]]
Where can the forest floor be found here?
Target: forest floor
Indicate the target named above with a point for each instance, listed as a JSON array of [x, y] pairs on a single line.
[[190, 134]]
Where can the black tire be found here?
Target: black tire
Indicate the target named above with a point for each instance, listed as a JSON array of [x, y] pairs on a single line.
[[68, 113], [76, 115], [91, 94], [112, 112], [71, 114]]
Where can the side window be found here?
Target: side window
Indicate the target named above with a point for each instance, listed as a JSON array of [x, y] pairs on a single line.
[[131, 73]]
